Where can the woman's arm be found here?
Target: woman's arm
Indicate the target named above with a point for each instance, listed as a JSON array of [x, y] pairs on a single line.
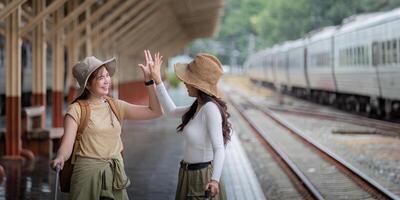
[[162, 94], [153, 110], [214, 129], [67, 142], [138, 112], [166, 102]]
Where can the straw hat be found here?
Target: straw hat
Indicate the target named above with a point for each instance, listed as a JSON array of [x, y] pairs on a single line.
[[83, 69], [202, 73]]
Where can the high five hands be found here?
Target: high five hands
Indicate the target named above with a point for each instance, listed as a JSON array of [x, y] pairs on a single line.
[[152, 69]]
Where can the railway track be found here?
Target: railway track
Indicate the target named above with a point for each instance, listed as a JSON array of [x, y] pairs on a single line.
[[357, 120], [316, 172]]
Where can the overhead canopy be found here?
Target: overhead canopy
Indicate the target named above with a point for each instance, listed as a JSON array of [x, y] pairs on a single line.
[[121, 28]]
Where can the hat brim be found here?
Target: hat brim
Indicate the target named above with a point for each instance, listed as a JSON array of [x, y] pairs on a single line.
[[182, 72], [110, 64]]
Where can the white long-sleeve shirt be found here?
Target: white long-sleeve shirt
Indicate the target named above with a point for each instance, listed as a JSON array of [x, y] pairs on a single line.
[[202, 134]]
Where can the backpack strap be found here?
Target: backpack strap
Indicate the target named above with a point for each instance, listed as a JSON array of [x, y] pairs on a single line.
[[85, 115], [114, 107]]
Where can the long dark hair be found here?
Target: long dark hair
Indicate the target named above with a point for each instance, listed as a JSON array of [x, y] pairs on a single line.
[[204, 98], [85, 94]]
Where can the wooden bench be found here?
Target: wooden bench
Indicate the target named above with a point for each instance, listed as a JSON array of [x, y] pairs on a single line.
[[35, 138]]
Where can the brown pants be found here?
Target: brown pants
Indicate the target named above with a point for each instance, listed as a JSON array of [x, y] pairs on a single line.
[[192, 183]]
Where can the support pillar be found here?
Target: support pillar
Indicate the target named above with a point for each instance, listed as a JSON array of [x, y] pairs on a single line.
[[13, 86], [39, 63], [72, 49], [58, 72], [88, 45]]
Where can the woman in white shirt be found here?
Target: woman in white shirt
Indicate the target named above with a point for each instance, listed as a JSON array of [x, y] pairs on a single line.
[[205, 125]]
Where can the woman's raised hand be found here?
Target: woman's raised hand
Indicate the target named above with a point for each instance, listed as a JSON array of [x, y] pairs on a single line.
[[147, 67], [152, 69], [156, 68]]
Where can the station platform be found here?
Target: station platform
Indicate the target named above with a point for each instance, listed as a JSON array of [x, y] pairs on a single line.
[[152, 152]]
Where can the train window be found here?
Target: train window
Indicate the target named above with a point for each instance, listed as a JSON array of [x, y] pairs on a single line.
[[362, 54], [366, 55], [375, 54], [398, 51], [328, 59], [355, 56], [383, 53], [347, 56], [394, 51], [388, 52], [358, 56], [341, 58]]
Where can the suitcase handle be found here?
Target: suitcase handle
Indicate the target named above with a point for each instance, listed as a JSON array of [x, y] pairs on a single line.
[[58, 169]]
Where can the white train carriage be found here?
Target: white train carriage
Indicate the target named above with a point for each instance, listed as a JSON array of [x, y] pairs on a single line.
[[353, 69], [270, 61], [280, 65], [255, 68], [368, 55], [320, 60], [355, 66], [297, 68], [384, 41]]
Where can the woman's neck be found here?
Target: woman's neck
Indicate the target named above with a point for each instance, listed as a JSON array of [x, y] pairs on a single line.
[[96, 98], [199, 102]]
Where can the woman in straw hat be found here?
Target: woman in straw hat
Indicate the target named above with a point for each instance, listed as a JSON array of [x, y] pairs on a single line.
[[98, 165], [205, 126]]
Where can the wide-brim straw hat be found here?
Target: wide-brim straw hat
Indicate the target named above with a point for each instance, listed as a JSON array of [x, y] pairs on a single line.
[[202, 73], [83, 69]]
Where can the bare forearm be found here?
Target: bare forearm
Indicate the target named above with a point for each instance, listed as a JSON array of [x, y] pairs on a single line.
[[65, 150], [154, 104]]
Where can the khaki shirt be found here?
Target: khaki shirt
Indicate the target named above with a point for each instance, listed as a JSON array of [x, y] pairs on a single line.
[[100, 139]]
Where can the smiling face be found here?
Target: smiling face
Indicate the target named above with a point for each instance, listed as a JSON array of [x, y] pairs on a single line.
[[192, 91], [101, 82]]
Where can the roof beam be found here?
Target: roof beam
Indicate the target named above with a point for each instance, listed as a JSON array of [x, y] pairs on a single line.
[[97, 14], [109, 19], [9, 8], [162, 42], [71, 16], [164, 30], [32, 23], [174, 46], [116, 34], [138, 31]]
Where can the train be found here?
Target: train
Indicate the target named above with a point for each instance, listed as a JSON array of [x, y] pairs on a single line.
[[354, 66]]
